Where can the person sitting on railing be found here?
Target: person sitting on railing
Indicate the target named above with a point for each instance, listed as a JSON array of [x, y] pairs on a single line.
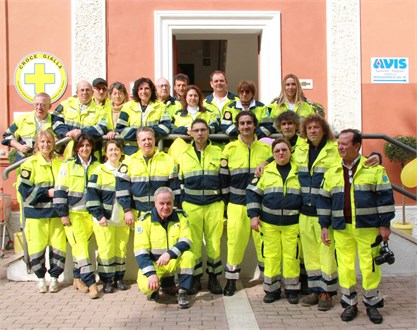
[[21, 134], [192, 109]]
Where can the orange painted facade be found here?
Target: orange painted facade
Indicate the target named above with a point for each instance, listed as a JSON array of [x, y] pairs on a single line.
[[29, 26]]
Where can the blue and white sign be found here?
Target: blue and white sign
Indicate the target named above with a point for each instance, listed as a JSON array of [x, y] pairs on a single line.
[[389, 70]]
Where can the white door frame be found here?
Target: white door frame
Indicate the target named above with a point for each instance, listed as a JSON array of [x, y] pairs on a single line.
[[267, 24]]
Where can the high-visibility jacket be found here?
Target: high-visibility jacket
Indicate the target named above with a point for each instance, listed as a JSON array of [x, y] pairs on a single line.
[[200, 178], [371, 196], [182, 120], [210, 104], [303, 109], [131, 117], [71, 185], [37, 176], [273, 200], [259, 109], [172, 105], [92, 120], [138, 179], [238, 164], [101, 194], [107, 110], [152, 239], [310, 180]]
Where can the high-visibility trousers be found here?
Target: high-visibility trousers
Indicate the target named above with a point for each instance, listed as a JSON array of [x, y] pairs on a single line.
[[184, 265], [348, 241], [238, 232], [41, 233], [111, 248], [79, 236], [206, 220], [319, 259], [280, 250]]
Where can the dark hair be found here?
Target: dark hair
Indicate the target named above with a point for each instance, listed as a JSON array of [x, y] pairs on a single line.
[[357, 136], [181, 77], [200, 98], [247, 85], [327, 132], [246, 113], [79, 140], [119, 86], [280, 140], [118, 143], [138, 83], [200, 121], [287, 116]]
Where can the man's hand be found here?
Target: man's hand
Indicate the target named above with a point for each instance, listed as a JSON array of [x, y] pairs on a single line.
[[129, 218], [372, 161], [111, 135], [74, 133], [153, 282], [260, 169], [385, 232], [163, 259], [103, 222], [66, 221], [325, 236], [51, 192], [255, 223]]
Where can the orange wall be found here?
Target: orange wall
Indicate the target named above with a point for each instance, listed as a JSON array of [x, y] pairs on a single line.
[[389, 108], [303, 37]]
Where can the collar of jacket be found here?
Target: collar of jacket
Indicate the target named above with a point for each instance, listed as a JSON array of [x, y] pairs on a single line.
[[156, 218]]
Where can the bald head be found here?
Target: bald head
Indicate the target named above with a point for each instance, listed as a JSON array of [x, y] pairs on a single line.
[[84, 92], [162, 89]]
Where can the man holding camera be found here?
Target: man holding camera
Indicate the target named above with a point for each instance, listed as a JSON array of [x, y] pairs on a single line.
[[357, 201]]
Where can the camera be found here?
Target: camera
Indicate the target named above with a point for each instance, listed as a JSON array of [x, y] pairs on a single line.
[[385, 255]]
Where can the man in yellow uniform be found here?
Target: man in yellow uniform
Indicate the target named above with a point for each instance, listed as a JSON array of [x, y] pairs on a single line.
[[162, 93], [358, 203], [162, 243]]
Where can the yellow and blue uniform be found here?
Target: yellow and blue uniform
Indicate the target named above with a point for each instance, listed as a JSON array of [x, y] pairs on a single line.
[[277, 202], [210, 104], [303, 109], [139, 178], [202, 201], [70, 199], [182, 120], [43, 227], [238, 164], [153, 237], [372, 207], [259, 109], [319, 259], [111, 239], [132, 117], [172, 105]]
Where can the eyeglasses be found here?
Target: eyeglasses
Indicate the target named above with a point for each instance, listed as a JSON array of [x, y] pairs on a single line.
[[350, 173], [163, 86]]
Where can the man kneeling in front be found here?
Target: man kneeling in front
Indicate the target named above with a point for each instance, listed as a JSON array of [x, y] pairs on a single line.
[[162, 241]]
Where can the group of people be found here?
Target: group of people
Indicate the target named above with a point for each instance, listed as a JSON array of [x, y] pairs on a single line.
[[303, 199]]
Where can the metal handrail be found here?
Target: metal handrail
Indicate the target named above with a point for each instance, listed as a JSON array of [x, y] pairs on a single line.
[[390, 140]]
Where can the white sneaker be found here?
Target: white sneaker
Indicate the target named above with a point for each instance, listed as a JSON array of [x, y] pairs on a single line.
[[53, 285], [41, 285]]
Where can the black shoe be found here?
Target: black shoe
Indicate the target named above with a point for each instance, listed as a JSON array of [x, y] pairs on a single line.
[[170, 290], [272, 296], [374, 315], [154, 296], [120, 285], [108, 287], [214, 285], [292, 298], [196, 285], [230, 288], [183, 299], [349, 313]]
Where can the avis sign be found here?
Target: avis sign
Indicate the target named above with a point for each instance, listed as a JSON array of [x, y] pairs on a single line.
[[389, 70]]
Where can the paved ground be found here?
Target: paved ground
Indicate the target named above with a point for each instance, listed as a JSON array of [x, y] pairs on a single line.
[[22, 308]]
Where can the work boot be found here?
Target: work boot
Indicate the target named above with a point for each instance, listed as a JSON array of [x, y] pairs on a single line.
[[349, 313], [53, 285], [183, 299], [292, 297], [272, 296], [80, 285], [108, 287], [120, 285], [154, 296], [325, 301], [230, 288], [311, 300], [93, 291], [196, 285], [374, 315], [214, 285], [41, 285]]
